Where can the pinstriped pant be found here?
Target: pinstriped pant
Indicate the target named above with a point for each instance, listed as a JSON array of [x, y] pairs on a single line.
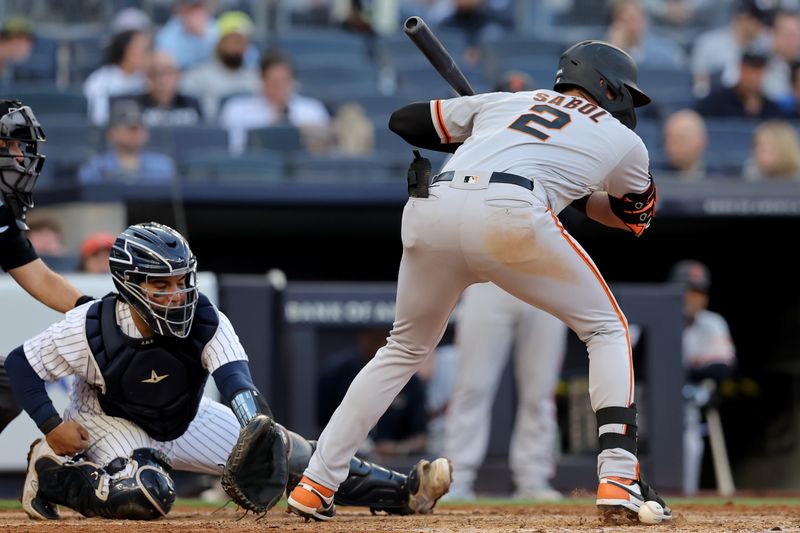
[[203, 448]]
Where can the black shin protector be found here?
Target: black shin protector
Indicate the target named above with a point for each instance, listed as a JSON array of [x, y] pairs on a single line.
[[367, 484], [136, 488], [618, 415]]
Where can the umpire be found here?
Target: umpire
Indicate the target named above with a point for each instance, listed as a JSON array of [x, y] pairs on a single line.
[[20, 165]]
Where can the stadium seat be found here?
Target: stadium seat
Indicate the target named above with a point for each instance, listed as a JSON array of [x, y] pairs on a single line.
[[255, 168], [85, 55], [179, 141], [304, 45], [397, 49], [330, 74], [49, 100], [730, 143], [334, 169], [278, 138]]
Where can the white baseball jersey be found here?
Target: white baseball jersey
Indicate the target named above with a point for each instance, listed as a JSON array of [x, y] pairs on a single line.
[[707, 341], [511, 132], [62, 350], [470, 230]]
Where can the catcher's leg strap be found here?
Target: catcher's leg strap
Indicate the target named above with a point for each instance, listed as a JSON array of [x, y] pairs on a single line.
[[615, 416], [367, 484], [134, 488]]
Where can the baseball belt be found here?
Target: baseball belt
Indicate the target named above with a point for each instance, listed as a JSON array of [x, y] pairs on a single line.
[[496, 177]]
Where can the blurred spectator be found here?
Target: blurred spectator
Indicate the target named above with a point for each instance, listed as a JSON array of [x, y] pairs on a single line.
[[95, 250], [401, 430], [794, 103], [478, 22], [16, 44], [127, 161], [278, 103], [163, 105], [46, 237], [628, 30], [785, 51], [226, 73], [190, 34], [127, 57], [685, 142], [776, 153], [745, 99], [717, 49], [514, 81], [354, 131], [130, 18], [681, 12], [708, 357]]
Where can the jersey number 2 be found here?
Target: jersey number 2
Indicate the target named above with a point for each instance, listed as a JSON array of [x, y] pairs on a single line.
[[559, 120]]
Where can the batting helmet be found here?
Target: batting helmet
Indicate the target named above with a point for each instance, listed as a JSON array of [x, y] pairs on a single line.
[[691, 274], [144, 252], [607, 73], [20, 160]]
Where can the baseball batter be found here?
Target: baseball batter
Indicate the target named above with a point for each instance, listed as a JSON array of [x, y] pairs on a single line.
[[140, 360], [489, 320], [491, 215], [21, 163]]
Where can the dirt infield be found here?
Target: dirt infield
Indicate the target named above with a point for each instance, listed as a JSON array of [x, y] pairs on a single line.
[[539, 518]]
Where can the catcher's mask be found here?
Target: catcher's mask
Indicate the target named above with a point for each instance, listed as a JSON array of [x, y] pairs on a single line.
[[156, 273], [20, 160], [607, 73]]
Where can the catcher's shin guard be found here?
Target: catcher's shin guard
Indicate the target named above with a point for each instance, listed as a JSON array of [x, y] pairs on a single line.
[[136, 488], [371, 485]]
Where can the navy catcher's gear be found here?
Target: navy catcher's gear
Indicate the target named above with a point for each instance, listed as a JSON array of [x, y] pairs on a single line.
[[607, 73], [367, 484], [134, 488], [19, 169], [156, 385], [151, 250]]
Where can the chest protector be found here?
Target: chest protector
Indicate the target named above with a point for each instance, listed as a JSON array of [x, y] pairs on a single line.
[[156, 383]]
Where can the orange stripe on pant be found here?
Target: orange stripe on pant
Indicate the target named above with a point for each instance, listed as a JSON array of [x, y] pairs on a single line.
[[610, 299]]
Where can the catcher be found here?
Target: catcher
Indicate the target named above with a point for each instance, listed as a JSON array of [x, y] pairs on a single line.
[[141, 358]]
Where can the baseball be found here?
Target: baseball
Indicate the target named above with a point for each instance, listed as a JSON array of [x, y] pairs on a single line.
[[651, 513]]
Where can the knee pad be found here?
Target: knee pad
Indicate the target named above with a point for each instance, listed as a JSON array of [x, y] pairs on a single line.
[[134, 488]]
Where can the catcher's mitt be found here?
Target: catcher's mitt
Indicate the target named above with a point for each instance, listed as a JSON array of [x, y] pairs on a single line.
[[257, 469]]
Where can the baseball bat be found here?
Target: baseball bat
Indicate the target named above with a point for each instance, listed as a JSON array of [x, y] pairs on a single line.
[[719, 453], [437, 54]]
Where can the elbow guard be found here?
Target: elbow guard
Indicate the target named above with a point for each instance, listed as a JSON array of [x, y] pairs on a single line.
[[636, 210]]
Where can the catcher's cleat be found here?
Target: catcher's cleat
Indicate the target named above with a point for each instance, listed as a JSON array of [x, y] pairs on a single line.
[[620, 496], [37, 508], [309, 500], [433, 481]]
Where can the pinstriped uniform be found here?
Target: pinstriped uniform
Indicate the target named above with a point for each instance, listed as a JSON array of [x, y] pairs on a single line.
[[62, 350], [471, 230]]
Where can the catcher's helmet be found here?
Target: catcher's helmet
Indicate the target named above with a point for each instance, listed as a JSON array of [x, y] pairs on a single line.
[[607, 73], [146, 251], [19, 168]]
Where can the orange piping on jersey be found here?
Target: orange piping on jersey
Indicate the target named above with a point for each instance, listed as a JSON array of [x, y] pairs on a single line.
[[610, 299], [440, 121]]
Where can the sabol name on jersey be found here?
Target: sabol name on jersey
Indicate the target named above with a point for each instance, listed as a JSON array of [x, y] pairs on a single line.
[[593, 111]]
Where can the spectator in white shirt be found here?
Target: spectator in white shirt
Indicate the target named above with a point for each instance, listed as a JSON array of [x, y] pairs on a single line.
[[278, 103], [127, 57]]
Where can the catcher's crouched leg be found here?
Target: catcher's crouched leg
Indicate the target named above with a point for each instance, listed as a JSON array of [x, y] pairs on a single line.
[[376, 487], [134, 488]]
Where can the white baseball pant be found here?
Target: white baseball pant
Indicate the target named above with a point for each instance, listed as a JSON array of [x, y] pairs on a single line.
[[466, 233], [489, 320]]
